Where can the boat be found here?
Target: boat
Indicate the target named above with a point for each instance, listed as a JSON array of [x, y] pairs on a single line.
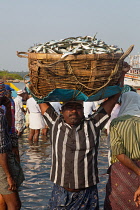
[[14, 81], [132, 77]]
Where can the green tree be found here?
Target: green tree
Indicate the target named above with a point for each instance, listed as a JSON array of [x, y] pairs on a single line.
[[5, 75]]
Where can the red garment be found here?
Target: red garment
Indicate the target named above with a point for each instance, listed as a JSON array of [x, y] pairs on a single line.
[[121, 187]]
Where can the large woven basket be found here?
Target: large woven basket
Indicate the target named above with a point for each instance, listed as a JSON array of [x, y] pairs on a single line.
[[86, 73]]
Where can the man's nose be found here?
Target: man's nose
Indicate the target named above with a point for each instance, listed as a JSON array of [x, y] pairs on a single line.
[[74, 109]]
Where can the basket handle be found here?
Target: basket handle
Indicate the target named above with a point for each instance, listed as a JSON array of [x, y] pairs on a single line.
[[128, 51], [25, 54], [24, 78]]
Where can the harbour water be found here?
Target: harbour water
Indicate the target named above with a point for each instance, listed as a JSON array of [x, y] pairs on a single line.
[[36, 163]]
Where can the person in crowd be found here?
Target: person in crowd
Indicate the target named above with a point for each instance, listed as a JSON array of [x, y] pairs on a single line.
[[89, 108], [12, 132], [11, 174], [75, 142], [19, 113], [124, 171], [25, 97], [36, 120], [114, 114]]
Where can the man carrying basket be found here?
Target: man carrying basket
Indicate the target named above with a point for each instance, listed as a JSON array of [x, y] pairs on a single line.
[[75, 143]]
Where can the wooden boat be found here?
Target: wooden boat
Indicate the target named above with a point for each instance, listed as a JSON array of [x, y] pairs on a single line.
[[132, 78]]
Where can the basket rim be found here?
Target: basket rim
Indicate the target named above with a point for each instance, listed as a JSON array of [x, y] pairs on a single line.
[[56, 57]]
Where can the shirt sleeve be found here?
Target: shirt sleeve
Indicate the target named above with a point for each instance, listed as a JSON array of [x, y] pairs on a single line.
[[5, 142], [100, 118], [116, 142], [50, 116]]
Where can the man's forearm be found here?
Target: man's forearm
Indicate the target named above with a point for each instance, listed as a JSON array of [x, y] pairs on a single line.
[[44, 107], [4, 163], [110, 103], [128, 163], [121, 79]]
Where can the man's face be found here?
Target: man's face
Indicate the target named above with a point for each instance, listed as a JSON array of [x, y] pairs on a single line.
[[73, 113]]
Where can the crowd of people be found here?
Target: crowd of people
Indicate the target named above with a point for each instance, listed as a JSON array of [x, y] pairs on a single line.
[[75, 128]]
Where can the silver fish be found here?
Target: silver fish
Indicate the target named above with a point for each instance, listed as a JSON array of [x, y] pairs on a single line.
[[76, 45]]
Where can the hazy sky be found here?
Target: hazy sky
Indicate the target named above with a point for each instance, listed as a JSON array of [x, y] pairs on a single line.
[[24, 23]]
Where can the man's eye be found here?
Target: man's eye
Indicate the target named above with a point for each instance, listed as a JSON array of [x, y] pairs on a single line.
[[78, 107], [69, 107]]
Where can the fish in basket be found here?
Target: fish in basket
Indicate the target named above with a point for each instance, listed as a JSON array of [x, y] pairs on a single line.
[[74, 66]]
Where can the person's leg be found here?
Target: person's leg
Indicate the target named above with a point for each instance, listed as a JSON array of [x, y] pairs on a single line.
[[20, 126], [12, 201], [2, 203], [31, 135], [44, 131], [19, 133], [36, 136]]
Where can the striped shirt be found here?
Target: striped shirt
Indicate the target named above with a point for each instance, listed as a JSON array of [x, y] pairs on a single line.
[[75, 149], [5, 141], [125, 137]]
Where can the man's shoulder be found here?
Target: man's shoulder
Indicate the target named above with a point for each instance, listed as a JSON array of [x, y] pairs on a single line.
[[31, 100], [16, 98], [100, 113], [100, 110]]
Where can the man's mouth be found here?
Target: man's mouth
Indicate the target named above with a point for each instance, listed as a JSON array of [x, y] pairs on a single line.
[[72, 115]]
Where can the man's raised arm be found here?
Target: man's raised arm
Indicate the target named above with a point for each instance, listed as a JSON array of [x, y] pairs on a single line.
[[110, 103], [44, 107]]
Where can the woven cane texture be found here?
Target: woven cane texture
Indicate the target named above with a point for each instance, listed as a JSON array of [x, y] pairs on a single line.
[[86, 73]]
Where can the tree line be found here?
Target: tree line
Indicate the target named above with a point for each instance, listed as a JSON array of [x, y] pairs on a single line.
[[6, 75]]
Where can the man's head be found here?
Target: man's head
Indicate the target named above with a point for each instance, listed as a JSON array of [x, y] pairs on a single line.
[[20, 92], [8, 91], [130, 104], [73, 112]]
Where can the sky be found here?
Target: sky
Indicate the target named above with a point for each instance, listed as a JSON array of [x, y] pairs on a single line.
[[24, 23]]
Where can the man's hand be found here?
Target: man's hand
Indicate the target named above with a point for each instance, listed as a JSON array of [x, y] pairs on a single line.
[[137, 197], [12, 184], [44, 107], [126, 67]]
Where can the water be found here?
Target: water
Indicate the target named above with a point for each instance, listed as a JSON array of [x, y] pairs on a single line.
[[19, 85]]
